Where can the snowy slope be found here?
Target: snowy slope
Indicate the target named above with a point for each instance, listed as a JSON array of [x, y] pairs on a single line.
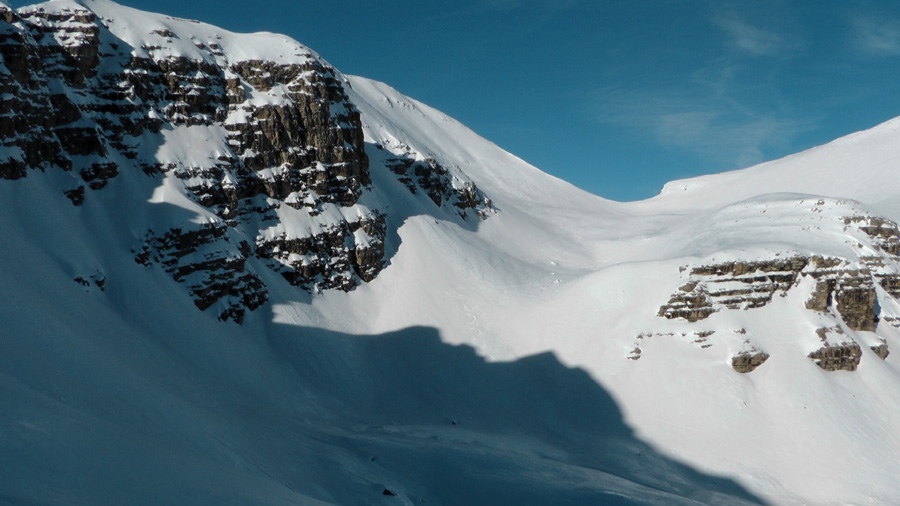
[[557, 270], [859, 166], [516, 359]]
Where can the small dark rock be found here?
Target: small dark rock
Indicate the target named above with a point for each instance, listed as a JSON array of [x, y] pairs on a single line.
[[747, 361], [881, 350], [75, 195]]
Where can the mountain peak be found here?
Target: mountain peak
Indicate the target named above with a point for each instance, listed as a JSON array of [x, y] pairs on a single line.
[[252, 134]]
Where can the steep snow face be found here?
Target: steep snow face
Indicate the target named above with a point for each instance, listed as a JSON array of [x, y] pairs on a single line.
[[786, 272], [504, 336]]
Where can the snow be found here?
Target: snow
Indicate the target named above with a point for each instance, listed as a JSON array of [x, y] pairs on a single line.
[[497, 290], [141, 29], [486, 364], [858, 166]]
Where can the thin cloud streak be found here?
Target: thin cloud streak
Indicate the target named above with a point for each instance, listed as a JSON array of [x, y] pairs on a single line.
[[716, 132], [511, 5], [753, 40], [877, 37]]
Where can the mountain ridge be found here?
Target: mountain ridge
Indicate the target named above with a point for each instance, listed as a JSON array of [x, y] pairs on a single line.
[[812, 160]]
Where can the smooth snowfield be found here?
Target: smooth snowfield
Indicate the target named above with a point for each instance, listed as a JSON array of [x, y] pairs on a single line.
[[558, 270], [488, 363]]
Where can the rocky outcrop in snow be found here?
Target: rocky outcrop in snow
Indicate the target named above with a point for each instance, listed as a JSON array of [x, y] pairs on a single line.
[[838, 351], [851, 290], [27, 111], [270, 149], [843, 289], [213, 268], [732, 285], [748, 360], [289, 139], [429, 177]]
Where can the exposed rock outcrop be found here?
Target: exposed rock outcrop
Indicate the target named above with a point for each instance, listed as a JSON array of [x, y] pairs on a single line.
[[850, 288], [839, 352], [27, 115], [748, 360], [429, 177], [290, 149], [881, 350], [732, 285], [286, 163], [330, 258], [691, 302], [837, 357], [213, 268], [844, 289], [883, 232], [702, 339]]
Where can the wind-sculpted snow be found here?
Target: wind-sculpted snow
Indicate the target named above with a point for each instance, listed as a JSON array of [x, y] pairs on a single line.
[[423, 317]]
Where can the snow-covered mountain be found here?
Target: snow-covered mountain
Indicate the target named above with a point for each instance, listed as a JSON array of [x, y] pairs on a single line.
[[234, 275]]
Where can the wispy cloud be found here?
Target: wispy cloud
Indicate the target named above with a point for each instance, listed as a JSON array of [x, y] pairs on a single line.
[[501, 5], [717, 132], [722, 112], [877, 36], [752, 39], [543, 5]]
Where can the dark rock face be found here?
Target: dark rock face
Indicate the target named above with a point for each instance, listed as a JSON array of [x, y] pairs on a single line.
[[329, 259], [78, 99], [856, 302], [213, 273], [838, 351], [429, 177], [317, 117], [839, 285], [96, 279], [885, 237], [314, 137], [851, 290], [691, 302], [853, 294], [27, 113]]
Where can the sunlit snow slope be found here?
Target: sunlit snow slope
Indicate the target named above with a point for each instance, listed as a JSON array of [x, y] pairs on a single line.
[[586, 279], [300, 287]]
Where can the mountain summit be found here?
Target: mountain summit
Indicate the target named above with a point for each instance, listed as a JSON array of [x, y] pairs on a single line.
[[234, 275]]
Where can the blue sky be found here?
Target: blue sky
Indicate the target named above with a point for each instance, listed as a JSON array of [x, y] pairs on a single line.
[[616, 97]]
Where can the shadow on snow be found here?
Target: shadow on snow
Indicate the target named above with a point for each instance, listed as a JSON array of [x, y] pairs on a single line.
[[445, 426]]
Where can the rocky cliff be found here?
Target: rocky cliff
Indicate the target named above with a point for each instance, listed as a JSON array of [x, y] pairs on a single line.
[[262, 142], [849, 292]]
